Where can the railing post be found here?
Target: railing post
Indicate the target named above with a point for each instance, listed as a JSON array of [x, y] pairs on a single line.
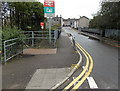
[[5, 51], [32, 39], [73, 40], [54, 42]]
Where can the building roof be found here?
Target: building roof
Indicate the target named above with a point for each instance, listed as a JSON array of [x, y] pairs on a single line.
[[70, 19], [85, 17]]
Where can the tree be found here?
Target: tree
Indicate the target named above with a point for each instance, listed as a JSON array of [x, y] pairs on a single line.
[[108, 17], [27, 15], [110, 13]]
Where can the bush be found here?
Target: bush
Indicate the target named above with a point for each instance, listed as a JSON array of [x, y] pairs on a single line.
[[11, 33], [55, 27]]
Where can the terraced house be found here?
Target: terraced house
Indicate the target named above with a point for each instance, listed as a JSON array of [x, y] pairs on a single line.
[[82, 22]]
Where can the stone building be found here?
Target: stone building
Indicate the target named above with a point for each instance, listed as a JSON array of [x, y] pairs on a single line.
[[74, 23], [55, 21], [66, 22], [84, 22]]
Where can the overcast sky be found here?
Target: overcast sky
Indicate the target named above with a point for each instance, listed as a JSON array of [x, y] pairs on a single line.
[[76, 8]]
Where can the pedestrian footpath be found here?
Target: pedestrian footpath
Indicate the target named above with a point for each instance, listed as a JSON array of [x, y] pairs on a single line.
[[21, 71]]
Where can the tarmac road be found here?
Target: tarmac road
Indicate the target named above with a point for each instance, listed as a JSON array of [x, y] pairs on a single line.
[[105, 69]]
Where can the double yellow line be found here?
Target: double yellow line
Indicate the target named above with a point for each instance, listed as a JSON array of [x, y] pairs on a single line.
[[84, 74]]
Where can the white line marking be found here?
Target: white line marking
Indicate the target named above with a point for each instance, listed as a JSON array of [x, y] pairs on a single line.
[[84, 67], [92, 83], [76, 82]]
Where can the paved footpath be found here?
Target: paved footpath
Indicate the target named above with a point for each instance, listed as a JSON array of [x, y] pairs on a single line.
[[47, 78], [21, 71]]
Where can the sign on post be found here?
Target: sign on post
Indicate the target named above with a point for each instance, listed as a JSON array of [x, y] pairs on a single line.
[[49, 11], [49, 8], [49, 3], [42, 25]]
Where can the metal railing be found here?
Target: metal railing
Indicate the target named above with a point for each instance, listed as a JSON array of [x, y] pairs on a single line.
[[112, 34], [32, 37], [13, 47], [109, 33]]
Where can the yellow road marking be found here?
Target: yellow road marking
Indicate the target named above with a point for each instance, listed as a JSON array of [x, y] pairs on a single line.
[[75, 65], [82, 73], [87, 74], [76, 51]]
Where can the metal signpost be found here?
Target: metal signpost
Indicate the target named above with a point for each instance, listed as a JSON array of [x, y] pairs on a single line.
[[49, 11], [42, 27]]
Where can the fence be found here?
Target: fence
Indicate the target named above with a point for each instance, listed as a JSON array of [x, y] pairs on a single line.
[[95, 31], [33, 38], [109, 33], [12, 48], [112, 34], [15, 46]]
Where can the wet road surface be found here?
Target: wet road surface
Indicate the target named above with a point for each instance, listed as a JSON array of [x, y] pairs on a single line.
[[105, 69]]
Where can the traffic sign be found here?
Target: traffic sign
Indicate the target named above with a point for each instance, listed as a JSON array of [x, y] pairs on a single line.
[[49, 4], [49, 8], [42, 27], [41, 23], [49, 11], [49, 14]]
